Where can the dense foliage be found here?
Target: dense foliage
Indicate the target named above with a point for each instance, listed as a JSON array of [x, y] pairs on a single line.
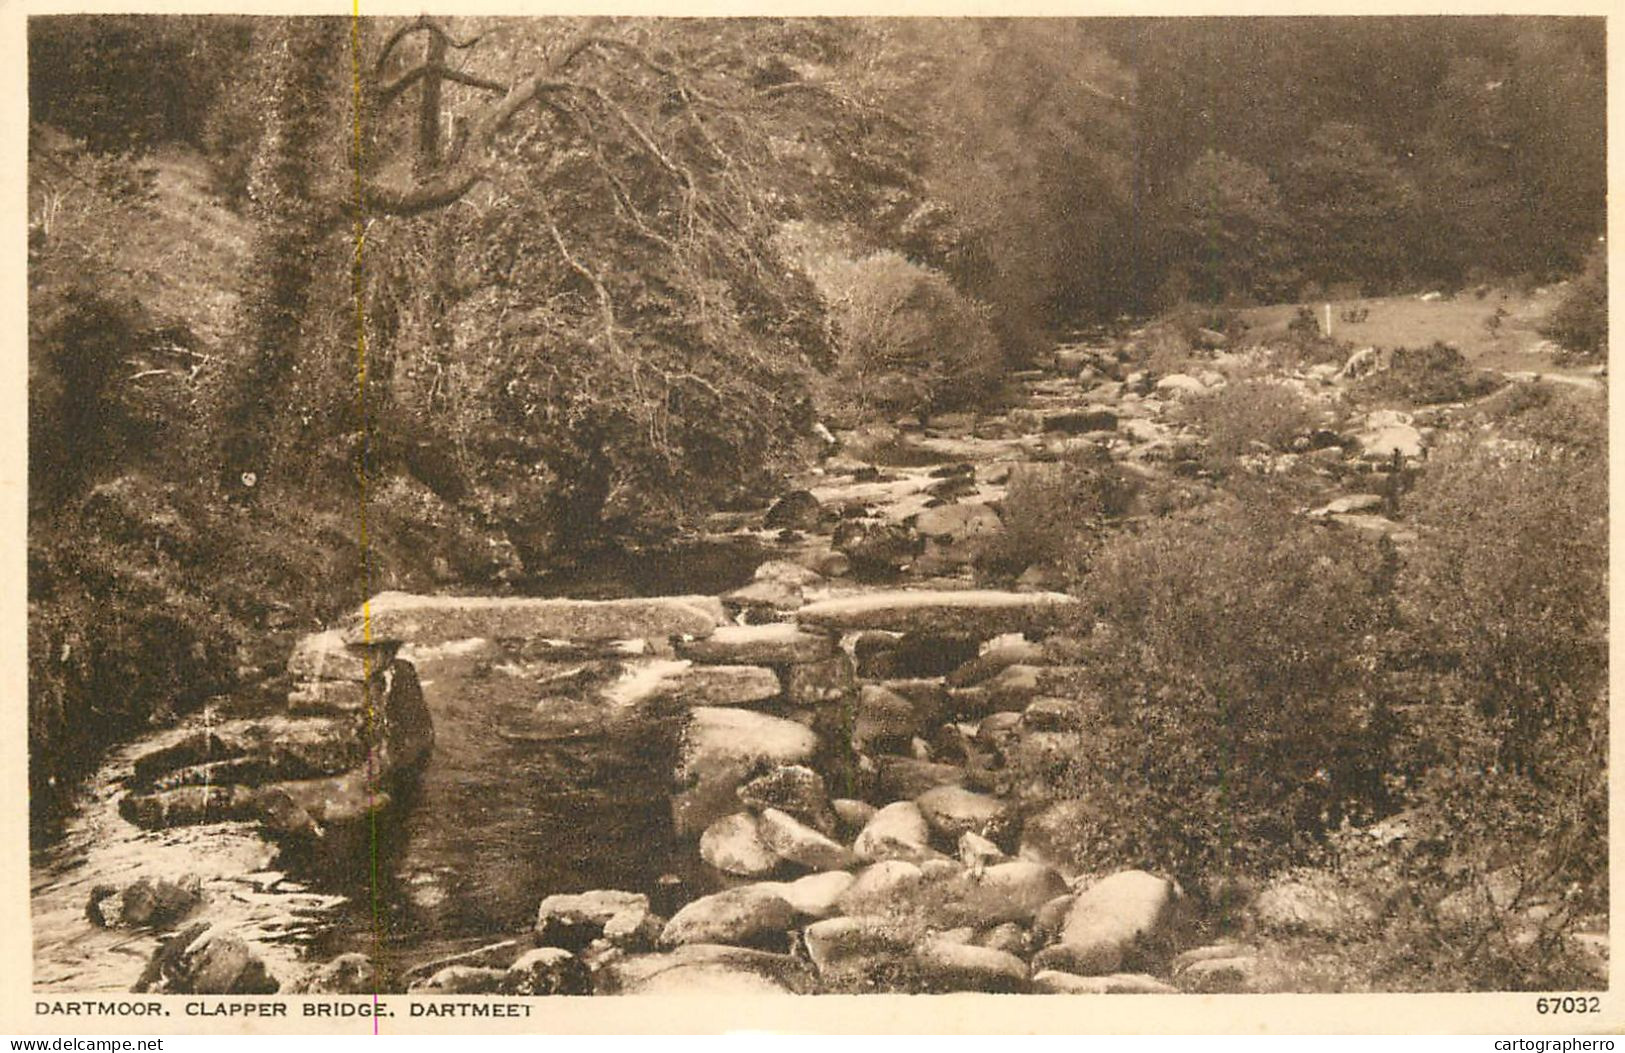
[[1229, 680], [125, 82], [1425, 375], [908, 341], [1580, 322], [1259, 690], [534, 282], [1458, 148]]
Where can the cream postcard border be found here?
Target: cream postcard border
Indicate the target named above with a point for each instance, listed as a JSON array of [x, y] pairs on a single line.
[[952, 1014]]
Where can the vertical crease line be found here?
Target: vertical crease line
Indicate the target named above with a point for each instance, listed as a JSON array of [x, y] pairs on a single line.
[[359, 289]]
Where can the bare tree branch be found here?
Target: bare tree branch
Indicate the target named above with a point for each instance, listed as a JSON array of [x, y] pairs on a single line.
[[422, 24], [417, 73], [469, 168], [623, 196], [606, 303]]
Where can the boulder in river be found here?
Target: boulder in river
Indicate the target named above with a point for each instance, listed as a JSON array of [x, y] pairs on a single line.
[[751, 915], [977, 851], [348, 974], [795, 789], [547, 971], [1009, 690], [145, 903], [763, 602], [854, 946], [1217, 968], [948, 966], [885, 719], [309, 808], [203, 959], [574, 920], [191, 805], [906, 777], [722, 749], [1007, 936], [789, 572], [816, 895], [734, 845], [852, 814], [954, 810], [795, 842], [880, 886], [1109, 919], [897, 831], [704, 969], [796, 510], [461, 979], [1051, 981], [1014, 891], [994, 656], [877, 547]]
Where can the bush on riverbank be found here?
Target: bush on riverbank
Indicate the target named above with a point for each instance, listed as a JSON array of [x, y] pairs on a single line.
[[1250, 416], [1259, 690], [1429, 375], [1232, 709], [1054, 514], [906, 340], [1580, 323]]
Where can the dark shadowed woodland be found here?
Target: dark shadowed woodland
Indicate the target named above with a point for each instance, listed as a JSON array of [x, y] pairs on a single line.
[[1068, 506]]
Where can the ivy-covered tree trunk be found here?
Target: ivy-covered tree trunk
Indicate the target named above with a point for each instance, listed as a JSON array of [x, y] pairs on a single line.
[[305, 105]]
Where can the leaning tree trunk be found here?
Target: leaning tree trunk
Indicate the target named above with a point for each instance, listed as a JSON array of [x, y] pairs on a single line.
[[301, 144]]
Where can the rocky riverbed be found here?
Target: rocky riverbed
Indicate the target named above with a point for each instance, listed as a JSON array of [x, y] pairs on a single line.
[[790, 786]]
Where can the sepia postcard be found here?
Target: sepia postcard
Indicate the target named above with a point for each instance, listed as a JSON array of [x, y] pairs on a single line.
[[810, 520]]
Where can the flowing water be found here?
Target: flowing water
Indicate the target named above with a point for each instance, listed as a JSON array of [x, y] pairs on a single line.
[[529, 791]]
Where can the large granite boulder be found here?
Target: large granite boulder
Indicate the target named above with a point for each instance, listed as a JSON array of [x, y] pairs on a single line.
[[897, 831], [574, 920], [704, 969], [734, 845], [203, 959], [721, 750], [1108, 920], [750, 915]]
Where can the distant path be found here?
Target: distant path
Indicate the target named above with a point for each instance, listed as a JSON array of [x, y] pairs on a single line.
[[1590, 383]]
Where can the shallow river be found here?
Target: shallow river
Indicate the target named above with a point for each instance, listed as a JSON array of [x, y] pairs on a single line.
[[529, 791]]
